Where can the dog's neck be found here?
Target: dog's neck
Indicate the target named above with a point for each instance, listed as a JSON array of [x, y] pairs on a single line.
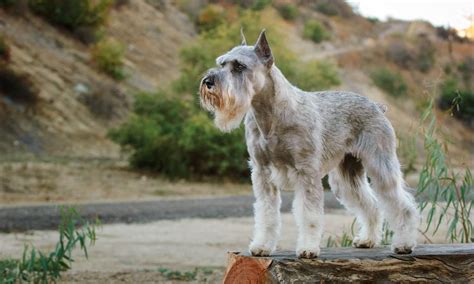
[[277, 96]]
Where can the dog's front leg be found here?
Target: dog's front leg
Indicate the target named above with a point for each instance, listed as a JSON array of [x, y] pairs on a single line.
[[308, 210], [267, 214]]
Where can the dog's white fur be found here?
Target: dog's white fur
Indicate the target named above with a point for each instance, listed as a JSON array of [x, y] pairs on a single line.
[[294, 138]]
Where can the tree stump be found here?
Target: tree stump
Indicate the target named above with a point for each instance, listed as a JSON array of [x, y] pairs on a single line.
[[452, 263]]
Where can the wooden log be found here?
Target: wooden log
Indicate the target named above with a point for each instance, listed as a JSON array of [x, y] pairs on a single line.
[[453, 263]]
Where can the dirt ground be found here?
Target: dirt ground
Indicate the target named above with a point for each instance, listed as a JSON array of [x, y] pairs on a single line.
[[60, 180], [141, 253]]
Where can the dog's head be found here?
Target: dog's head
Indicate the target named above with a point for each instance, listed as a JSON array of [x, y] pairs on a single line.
[[227, 90]]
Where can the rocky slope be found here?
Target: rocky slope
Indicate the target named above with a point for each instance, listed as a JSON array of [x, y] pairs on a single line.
[[66, 106]]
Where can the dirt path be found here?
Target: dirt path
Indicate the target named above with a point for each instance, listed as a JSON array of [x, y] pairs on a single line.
[[47, 216]]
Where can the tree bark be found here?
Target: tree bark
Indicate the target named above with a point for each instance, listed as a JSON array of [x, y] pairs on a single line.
[[452, 263]]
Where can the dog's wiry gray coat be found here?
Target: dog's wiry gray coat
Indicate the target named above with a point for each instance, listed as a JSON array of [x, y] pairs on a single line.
[[294, 138]]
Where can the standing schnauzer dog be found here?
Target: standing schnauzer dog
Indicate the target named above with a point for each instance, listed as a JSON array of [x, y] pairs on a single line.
[[295, 138]]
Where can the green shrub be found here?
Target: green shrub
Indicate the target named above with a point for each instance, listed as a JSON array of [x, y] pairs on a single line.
[[288, 11], [390, 82], [179, 140], [316, 76], [72, 14], [108, 55], [210, 17], [260, 4], [463, 100], [314, 31], [327, 9]]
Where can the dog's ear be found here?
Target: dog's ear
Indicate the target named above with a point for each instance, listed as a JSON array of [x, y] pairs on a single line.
[[263, 51], [242, 37]]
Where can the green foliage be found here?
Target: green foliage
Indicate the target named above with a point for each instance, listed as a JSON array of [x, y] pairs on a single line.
[[327, 9], [451, 92], [72, 14], [389, 81], [448, 196], [178, 139], [260, 4], [210, 17], [314, 31], [315, 75], [108, 55], [38, 267], [178, 275], [288, 11]]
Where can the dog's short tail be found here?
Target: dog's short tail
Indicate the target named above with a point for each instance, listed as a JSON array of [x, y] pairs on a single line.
[[382, 107]]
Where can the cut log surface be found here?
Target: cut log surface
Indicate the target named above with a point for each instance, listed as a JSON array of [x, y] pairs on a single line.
[[451, 263]]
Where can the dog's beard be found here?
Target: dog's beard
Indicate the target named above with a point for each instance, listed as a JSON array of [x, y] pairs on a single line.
[[229, 108]]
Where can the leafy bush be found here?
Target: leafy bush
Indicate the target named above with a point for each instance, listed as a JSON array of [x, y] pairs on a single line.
[[38, 267], [316, 75], [333, 7], [260, 4], [327, 9], [210, 17], [72, 14], [108, 55], [288, 11], [389, 81], [314, 31], [451, 93], [179, 140]]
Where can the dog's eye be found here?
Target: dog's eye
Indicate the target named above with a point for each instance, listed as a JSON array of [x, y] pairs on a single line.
[[238, 67]]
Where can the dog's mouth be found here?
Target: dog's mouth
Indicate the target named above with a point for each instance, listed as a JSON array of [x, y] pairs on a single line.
[[210, 97]]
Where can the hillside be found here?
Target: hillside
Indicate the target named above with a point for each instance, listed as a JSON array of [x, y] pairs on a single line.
[[55, 104], [69, 104]]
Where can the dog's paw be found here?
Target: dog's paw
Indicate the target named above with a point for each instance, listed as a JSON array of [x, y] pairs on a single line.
[[403, 249], [363, 243], [308, 253], [260, 250]]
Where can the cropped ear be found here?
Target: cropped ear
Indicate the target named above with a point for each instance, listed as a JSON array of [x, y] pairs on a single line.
[[263, 51], [242, 37]]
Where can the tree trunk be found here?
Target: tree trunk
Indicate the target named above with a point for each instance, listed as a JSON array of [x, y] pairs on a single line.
[[428, 263]]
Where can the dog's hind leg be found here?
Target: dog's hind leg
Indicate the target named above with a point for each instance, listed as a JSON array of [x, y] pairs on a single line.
[[398, 205], [349, 183]]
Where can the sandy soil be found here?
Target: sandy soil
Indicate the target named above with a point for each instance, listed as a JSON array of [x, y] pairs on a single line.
[[59, 180], [136, 252]]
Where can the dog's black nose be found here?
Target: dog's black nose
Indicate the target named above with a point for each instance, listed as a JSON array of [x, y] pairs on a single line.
[[209, 81]]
